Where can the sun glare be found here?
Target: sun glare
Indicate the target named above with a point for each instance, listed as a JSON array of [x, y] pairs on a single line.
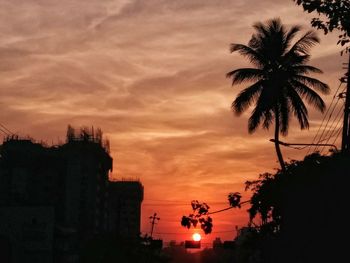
[[196, 237]]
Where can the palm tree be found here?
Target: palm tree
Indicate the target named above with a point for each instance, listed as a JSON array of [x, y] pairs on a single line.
[[280, 79]]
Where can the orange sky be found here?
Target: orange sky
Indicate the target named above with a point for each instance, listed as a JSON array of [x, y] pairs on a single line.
[[151, 74]]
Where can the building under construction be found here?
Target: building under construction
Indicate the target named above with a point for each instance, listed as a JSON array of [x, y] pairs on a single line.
[[53, 199]]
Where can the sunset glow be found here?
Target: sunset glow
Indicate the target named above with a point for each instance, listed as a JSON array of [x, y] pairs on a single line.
[[196, 237], [151, 75]]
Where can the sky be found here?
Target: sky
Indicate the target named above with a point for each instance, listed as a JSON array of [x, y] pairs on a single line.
[[151, 75]]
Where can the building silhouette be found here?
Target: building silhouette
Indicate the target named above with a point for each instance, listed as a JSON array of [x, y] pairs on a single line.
[[125, 208], [53, 199]]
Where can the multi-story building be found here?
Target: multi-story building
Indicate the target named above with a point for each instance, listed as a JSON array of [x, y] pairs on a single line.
[[53, 199], [63, 187], [87, 166], [125, 208], [27, 234]]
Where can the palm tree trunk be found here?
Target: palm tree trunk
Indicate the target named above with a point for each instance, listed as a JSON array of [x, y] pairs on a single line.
[[277, 144]]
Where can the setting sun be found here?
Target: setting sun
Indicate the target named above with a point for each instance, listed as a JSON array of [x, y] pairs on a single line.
[[129, 128], [196, 237]]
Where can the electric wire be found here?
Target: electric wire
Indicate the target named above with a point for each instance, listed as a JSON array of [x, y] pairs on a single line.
[[210, 213], [180, 201], [177, 233], [324, 117], [324, 138], [336, 138], [336, 134], [4, 132], [6, 129], [336, 128], [330, 130], [326, 125], [178, 204]]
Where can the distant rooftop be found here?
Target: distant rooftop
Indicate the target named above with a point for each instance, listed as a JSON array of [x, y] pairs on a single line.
[[83, 134], [125, 179]]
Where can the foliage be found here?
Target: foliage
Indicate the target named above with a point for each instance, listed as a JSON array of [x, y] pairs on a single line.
[[332, 14], [265, 201], [234, 199], [270, 191], [201, 213], [280, 79], [294, 214], [298, 212]]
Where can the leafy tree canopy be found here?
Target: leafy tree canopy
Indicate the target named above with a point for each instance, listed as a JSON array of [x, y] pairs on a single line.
[[332, 14], [201, 213]]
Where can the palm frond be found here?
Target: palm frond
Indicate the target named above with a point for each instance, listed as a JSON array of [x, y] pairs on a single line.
[[268, 118], [270, 27], [255, 119], [261, 111], [305, 69], [245, 74], [303, 45], [255, 42], [310, 95], [314, 83], [262, 30], [275, 25], [299, 109], [291, 34], [247, 97], [295, 59], [248, 52]]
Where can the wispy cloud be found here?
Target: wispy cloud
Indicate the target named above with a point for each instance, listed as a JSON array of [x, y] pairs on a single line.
[[151, 74]]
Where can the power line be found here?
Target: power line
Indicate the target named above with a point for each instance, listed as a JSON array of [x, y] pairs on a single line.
[[165, 204], [333, 131], [165, 200], [179, 204], [324, 117], [177, 233], [339, 132], [4, 132], [228, 208], [179, 201], [336, 128], [325, 127], [4, 127]]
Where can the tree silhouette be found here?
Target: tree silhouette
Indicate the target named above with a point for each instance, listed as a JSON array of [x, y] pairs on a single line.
[[281, 79], [296, 215], [335, 15], [201, 213], [298, 211]]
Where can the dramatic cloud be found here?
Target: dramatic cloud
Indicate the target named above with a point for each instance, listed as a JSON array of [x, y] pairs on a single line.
[[151, 74]]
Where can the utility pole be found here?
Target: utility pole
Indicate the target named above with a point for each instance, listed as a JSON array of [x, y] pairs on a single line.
[[345, 145], [153, 222]]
